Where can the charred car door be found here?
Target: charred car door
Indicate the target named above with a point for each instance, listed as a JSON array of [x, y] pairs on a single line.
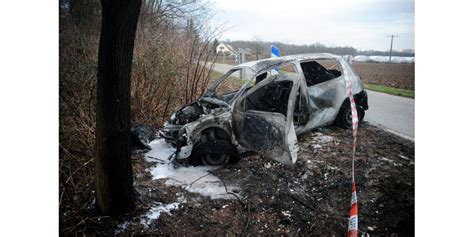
[[262, 119], [326, 90]]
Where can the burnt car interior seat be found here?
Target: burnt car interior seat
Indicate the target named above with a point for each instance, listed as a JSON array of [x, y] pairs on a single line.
[[315, 73]]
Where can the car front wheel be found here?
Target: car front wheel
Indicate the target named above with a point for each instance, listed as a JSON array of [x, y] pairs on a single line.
[[344, 118], [214, 149]]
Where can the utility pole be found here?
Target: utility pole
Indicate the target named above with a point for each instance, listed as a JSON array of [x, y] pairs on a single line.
[[391, 44]]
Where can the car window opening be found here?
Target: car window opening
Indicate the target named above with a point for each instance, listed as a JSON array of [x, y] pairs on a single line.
[[316, 73], [272, 97], [261, 77], [228, 87]]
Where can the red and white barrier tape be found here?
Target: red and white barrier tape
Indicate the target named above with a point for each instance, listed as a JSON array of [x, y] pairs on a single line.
[[352, 230]]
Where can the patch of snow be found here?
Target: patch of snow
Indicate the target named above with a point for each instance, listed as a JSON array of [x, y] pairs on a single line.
[[122, 227], [182, 199], [193, 179], [160, 151], [390, 161], [155, 212]]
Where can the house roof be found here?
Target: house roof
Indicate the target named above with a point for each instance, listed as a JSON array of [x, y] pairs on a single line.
[[229, 47]]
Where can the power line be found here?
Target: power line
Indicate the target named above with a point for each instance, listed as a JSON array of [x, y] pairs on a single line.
[[391, 45]]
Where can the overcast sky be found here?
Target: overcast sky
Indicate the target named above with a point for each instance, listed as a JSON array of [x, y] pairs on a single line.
[[363, 24]]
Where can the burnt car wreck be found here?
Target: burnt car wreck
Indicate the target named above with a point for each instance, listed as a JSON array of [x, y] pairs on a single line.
[[276, 99]]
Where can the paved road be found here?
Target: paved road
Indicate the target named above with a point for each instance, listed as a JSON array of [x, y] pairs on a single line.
[[393, 113], [222, 68]]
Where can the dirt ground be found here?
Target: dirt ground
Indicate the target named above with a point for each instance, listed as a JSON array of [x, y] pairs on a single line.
[[312, 198], [394, 75]]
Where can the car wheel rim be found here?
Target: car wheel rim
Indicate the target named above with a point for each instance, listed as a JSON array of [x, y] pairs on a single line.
[[349, 117], [215, 159]]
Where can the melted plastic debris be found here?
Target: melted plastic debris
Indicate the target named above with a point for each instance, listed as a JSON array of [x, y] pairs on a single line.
[[193, 179], [155, 212]]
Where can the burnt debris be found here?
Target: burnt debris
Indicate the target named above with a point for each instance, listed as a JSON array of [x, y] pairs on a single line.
[[142, 135]]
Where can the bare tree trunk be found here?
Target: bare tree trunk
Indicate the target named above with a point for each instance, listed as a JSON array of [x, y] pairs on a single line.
[[114, 177]]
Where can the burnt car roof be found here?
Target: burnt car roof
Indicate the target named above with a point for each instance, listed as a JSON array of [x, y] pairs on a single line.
[[263, 64]]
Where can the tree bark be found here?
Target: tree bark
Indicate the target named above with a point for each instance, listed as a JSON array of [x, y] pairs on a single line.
[[114, 176]]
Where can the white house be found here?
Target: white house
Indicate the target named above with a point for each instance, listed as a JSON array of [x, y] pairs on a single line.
[[225, 49]]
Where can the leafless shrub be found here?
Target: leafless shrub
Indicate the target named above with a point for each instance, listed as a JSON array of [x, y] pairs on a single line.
[[169, 69]]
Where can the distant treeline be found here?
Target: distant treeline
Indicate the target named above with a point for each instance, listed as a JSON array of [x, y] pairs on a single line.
[[287, 49]]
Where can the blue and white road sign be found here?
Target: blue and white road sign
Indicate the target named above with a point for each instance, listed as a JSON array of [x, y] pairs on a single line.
[[275, 53]]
